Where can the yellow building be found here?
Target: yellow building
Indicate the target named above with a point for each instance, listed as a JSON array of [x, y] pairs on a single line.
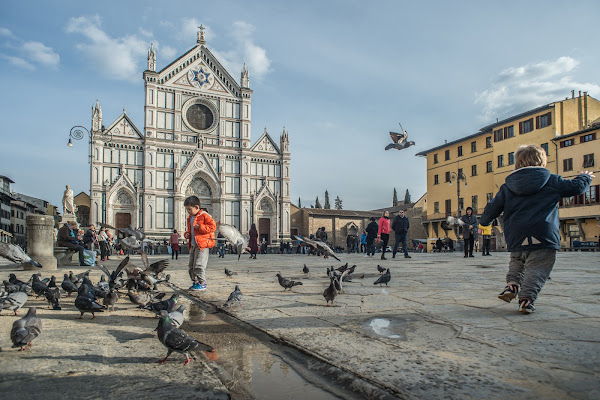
[[580, 215], [469, 171]]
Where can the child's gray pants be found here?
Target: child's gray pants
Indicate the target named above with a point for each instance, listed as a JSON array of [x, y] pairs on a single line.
[[530, 270]]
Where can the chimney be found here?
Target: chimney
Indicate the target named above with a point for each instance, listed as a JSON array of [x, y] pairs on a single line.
[[572, 94], [580, 93]]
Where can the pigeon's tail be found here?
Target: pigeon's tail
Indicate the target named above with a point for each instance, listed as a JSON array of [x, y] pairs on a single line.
[[390, 146], [35, 263], [296, 283], [335, 257]]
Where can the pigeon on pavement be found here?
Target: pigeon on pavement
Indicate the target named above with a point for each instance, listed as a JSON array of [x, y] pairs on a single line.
[[330, 292], [229, 273], [38, 287], [177, 316], [287, 283], [53, 297], [14, 253], [85, 302], [111, 299], [174, 339], [68, 286], [26, 329], [385, 278], [143, 298], [305, 270], [13, 301], [168, 305], [234, 297], [380, 269]]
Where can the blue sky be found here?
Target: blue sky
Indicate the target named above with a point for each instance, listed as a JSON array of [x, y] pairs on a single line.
[[339, 75]]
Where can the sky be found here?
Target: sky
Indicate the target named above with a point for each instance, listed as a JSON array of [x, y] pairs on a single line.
[[339, 75]]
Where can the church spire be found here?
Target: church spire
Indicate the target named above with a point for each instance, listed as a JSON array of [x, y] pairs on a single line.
[[201, 39], [284, 141], [96, 116], [151, 59], [245, 80]]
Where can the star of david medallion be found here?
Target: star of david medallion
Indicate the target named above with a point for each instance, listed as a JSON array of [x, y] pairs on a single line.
[[200, 77]]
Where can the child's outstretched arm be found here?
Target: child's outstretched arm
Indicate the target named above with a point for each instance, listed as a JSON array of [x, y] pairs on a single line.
[[494, 208], [575, 186]]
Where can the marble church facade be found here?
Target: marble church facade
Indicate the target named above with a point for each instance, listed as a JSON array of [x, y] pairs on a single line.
[[196, 140]]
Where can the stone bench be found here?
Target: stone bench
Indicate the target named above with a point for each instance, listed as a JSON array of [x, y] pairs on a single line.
[[63, 255]]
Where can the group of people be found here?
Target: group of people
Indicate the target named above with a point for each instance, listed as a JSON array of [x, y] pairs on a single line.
[[71, 236]]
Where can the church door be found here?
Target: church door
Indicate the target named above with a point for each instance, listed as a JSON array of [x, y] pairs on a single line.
[[122, 220], [264, 229]]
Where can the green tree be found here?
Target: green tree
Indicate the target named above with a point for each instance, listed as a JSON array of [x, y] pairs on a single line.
[[338, 203], [327, 206], [318, 203], [395, 199], [407, 197]]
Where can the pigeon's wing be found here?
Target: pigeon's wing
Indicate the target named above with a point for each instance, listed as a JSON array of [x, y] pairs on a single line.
[[230, 232], [157, 267], [139, 234], [145, 260], [307, 241], [103, 269], [398, 137], [11, 252], [119, 269], [327, 249], [103, 225]]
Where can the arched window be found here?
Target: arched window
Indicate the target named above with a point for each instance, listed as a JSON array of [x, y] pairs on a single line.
[[96, 216], [287, 189], [150, 180], [96, 154], [287, 172], [149, 158], [96, 173]]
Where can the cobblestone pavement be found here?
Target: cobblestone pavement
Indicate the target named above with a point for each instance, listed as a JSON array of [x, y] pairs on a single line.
[[437, 330]]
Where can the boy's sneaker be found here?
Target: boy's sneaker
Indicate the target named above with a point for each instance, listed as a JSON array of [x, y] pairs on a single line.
[[201, 286], [509, 293], [196, 286], [526, 306]]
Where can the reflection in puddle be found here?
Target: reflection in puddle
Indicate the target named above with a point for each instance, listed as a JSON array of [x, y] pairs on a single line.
[[381, 327]]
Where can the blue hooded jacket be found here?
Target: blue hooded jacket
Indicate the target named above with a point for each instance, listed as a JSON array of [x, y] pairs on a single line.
[[529, 198]]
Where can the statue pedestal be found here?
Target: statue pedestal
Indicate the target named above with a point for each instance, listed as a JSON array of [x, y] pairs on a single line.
[[67, 217], [40, 241]]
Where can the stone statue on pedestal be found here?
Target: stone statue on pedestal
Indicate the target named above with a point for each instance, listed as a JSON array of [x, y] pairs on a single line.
[[68, 203]]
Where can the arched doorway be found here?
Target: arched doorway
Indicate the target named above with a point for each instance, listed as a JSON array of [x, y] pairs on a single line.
[[265, 215], [199, 187], [123, 207]]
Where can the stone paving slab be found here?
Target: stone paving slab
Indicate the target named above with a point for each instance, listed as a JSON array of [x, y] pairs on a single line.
[[448, 335]]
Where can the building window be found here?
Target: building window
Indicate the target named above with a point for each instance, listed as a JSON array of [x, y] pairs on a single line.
[[545, 147], [164, 120], [447, 155], [164, 180], [504, 133], [488, 166], [447, 176], [165, 100], [460, 153], [436, 207], [473, 170], [566, 143], [526, 126], [488, 142], [588, 138], [436, 179], [489, 197], [164, 213], [232, 213], [232, 166], [511, 158], [590, 196], [501, 160], [473, 147], [588, 160], [164, 160], [542, 121], [509, 132], [498, 135], [568, 164], [474, 203], [435, 159], [232, 185]]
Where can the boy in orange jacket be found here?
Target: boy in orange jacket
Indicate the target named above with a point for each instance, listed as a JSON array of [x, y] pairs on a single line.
[[200, 234]]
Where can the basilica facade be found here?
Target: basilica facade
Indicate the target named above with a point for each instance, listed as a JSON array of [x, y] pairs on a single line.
[[196, 140]]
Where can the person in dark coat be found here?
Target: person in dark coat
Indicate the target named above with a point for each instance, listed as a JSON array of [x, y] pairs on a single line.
[[371, 230], [67, 237], [253, 243], [529, 199], [469, 231], [400, 226]]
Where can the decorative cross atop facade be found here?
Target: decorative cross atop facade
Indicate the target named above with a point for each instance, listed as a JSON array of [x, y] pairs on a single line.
[[201, 38]]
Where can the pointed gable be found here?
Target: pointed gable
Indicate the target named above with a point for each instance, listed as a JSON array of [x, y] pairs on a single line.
[[265, 145], [199, 161], [124, 127], [122, 182], [199, 69]]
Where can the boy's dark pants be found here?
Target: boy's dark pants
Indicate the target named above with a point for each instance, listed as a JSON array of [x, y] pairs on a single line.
[[530, 270], [469, 245]]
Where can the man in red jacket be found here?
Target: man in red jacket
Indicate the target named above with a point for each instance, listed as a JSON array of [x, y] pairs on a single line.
[[200, 234]]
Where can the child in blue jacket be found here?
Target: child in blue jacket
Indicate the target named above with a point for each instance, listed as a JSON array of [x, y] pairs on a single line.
[[529, 199]]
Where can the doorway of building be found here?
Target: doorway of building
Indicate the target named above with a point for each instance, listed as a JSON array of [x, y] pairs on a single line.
[[122, 220], [264, 228]]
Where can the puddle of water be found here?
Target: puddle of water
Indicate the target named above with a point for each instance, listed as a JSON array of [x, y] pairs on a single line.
[[381, 327]]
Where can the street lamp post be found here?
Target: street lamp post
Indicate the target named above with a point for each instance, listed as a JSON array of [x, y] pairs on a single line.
[[458, 177]]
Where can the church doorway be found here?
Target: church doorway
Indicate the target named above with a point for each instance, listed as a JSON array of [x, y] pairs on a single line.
[[199, 187], [264, 229], [122, 220]]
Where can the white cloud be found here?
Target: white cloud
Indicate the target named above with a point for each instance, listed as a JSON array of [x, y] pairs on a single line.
[[166, 53], [18, 62], [189, 31], [6, 32], [517, 89], [121, 58], [40, 53], [146, 33], [245, 51]]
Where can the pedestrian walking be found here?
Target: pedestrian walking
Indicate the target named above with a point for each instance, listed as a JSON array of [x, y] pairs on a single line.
[[400, 226], [384, 232], [372, 230], [174, 243], [363, 242], [253, 242], [529, 199], [469, 231], [103, 242], [486, 238]]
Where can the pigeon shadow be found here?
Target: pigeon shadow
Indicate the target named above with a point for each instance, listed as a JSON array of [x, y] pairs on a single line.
[[125, 336], [98, 359]]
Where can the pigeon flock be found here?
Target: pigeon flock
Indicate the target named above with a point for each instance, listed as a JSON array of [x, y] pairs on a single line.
[[140, 285]]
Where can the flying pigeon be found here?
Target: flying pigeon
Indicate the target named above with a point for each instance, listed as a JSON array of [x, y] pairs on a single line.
[[330, 292], [230, 233], [156, 268], [320, 246], [399, 140], [168, 305], [112, 276], [176, 316], [385, 278], [14, 253], [13, 301], [174, 339], [26, 329], [144, 298], [234, 297], [287, 283], [85, 302]]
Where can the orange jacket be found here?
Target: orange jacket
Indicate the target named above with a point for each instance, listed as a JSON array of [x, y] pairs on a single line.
[[204, 230]]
